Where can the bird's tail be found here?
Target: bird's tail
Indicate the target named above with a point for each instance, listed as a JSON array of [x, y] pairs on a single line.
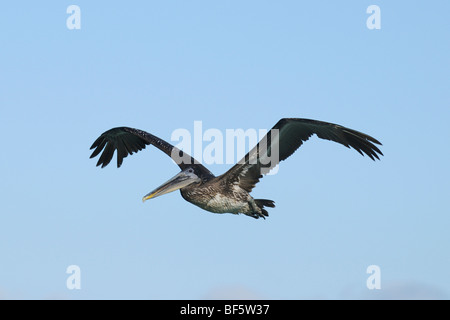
[[261, 203]]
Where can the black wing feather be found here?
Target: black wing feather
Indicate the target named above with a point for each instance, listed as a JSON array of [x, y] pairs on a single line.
[[128, 141], [291, 135], [99, 144]]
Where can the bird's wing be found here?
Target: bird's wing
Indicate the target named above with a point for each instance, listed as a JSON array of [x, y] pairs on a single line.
[[285, 138], [128, 141]]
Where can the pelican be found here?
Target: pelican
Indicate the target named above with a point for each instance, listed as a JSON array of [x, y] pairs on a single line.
[[230, 192]]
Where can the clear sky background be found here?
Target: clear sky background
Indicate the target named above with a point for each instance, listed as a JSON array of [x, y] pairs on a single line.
[[160, 66]]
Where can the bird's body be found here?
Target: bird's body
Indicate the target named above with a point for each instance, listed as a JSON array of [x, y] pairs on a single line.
[[215, 195], [230, 192]]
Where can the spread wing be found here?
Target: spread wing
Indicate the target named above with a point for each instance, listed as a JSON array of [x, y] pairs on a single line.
[[285, 138], [127, 141]]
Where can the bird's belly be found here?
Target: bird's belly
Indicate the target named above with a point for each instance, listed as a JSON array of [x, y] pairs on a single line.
[[223, 204], [219, 200], [219, 203]]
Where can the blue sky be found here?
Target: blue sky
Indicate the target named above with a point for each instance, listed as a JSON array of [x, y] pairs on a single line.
[[160, 66]]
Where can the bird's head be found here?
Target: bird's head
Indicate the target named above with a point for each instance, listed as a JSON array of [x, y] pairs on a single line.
[[186, 177]]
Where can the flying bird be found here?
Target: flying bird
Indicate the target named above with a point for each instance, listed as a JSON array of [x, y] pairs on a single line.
[[230, 192]]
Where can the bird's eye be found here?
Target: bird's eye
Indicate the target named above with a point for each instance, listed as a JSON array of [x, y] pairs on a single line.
[[191, 170]]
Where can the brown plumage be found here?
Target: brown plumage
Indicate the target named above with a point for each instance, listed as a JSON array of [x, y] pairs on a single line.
[[230, 192]]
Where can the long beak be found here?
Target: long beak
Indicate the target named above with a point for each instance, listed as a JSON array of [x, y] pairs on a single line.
[[179, 181]]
